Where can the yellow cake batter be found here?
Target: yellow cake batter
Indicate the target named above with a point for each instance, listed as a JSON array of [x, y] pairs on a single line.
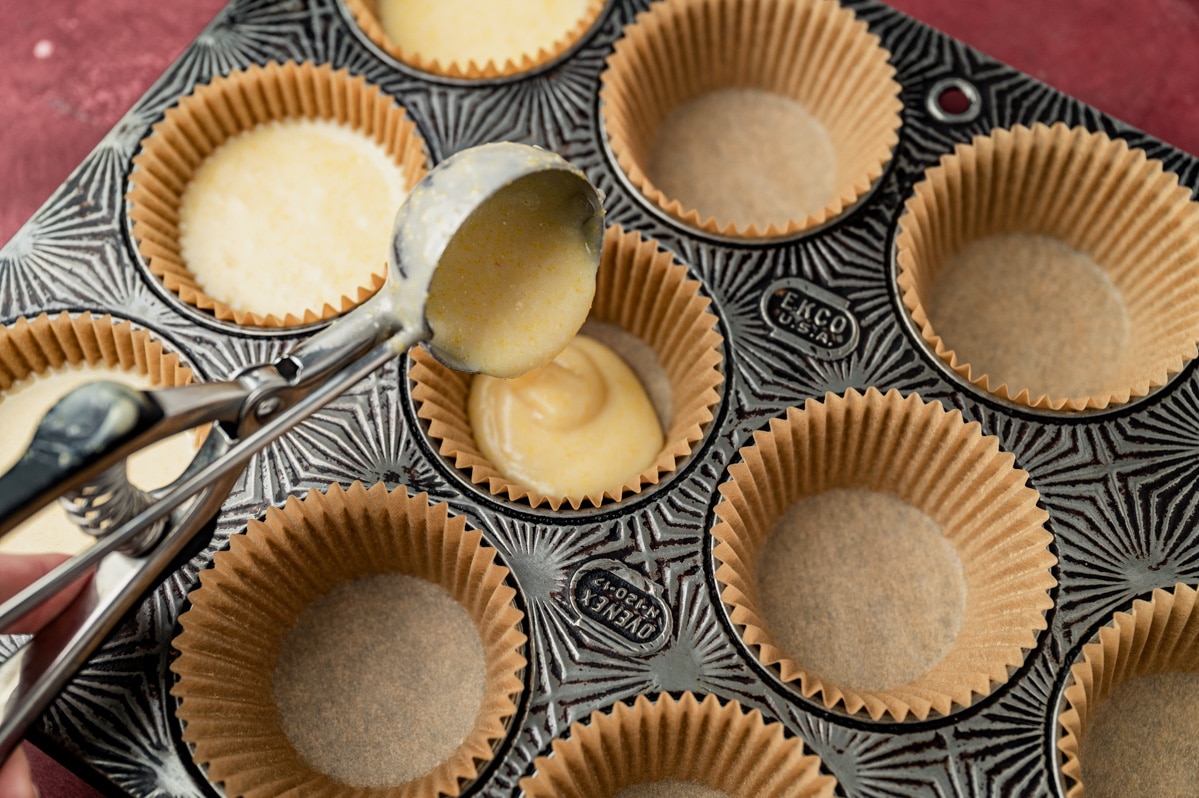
[[460, 31], [516, 282], [580, 425], [22, 408], [289, 216]]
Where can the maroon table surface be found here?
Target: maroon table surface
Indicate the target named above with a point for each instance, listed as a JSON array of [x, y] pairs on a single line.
[[70, 68]]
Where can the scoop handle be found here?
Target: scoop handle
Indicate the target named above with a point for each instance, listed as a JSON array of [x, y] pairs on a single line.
[[35, 673], [98, 425], [78, 438], [31, 677]]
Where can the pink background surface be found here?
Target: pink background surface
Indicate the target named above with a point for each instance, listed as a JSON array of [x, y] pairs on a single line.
[[70, 68]]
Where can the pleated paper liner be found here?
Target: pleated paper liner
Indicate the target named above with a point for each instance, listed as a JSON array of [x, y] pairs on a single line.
[[36, 346], [688, 739], [1054, 267], [234, 636], [1158, 638], [751, 118], [850, 455], [46, 344], [493, 23], [243, 101], [642, 291]]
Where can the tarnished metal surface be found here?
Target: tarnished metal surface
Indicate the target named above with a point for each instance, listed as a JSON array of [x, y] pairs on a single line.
[[1118, 485]]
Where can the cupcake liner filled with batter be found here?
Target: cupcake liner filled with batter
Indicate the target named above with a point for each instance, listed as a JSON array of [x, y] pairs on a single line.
[[883, 554], [674, 747], [651, 318], [751, 119], [474, 39], [355, 642], [266, 197], [1128, 725], [1054, 267], [41, 360]]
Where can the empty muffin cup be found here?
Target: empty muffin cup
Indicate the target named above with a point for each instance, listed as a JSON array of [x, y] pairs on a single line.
[[41, 360], [653, 316], [1128, 722], [474, 39], [883, 554], [699, 747], [1053, 267], [266, 197], [355, 642], [756, 119]]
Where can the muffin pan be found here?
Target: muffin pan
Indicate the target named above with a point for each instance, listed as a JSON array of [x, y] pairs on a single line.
[[633, 594]]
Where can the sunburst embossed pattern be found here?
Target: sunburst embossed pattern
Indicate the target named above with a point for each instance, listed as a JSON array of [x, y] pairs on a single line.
[[1118, 486]]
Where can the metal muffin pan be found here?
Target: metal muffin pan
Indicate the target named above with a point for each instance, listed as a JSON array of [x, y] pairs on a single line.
[[1116, 484]]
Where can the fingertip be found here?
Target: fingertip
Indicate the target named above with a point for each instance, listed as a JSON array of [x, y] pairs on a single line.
[[16, 777], [20, 570]]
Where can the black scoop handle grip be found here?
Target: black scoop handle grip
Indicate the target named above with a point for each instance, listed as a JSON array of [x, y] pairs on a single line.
[[89, 430]]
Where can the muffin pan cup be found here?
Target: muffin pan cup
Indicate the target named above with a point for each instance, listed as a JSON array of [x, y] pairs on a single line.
[[928, 459], [689, 739], [44, 343], [815, 53], [47, 344], [1095, 196], [235, 103], [641, 291], [1157, 635], [366, 16], [249, 600]]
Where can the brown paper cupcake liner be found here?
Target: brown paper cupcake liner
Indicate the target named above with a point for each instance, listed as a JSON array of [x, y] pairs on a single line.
[[1156, 636], [933, 461], [38, 346], [685, 739], [1097, 197], [45, 343], [239, 618], [212, 114], [642, 291], [366, 15], [814, 52]]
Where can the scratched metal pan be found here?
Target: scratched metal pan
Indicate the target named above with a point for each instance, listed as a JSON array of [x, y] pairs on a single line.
[[800, 317]]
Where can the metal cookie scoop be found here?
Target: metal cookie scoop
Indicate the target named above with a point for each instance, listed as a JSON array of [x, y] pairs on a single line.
[[78, 451]]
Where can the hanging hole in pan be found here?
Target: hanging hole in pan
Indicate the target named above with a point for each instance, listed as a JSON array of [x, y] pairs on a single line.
[[954, 100]]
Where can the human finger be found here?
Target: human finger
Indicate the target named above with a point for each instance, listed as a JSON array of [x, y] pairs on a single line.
[[16, 778], [19, 570]]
